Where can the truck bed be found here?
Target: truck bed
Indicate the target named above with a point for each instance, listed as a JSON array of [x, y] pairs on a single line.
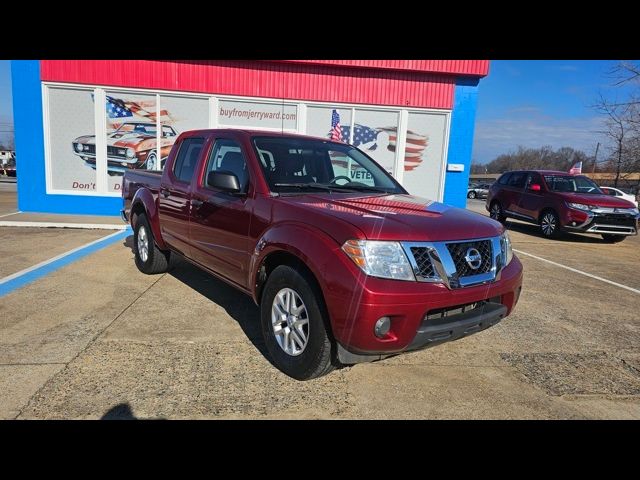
[[135, 179]]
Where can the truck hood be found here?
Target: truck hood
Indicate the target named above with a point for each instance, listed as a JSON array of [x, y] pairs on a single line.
[[597, 200], [401, 217]]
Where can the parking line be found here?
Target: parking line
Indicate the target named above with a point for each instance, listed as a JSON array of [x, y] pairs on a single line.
[[23, 277], [6, 215], [619, 285]]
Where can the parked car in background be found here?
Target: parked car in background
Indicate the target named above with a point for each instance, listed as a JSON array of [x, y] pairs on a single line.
[[616, 192], [8, 163], [345, 268], [132, 146], [478, 191], [559, 201]]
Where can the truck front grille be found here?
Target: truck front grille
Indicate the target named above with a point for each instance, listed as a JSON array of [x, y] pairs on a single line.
[[421, 256], [458, 252]]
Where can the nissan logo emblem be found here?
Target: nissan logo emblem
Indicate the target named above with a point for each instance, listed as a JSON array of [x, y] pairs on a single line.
[[473, 258]]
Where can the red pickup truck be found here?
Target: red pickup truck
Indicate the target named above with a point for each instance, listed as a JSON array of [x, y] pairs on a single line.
[[344, 264]]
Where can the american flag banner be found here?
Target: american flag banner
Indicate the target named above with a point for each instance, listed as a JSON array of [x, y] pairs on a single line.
[[362, 135], [576, 169], [336, 130], [118, 109], [414, 147]]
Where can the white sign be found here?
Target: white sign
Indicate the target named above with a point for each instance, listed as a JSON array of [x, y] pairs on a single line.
[[455, 167], [257, 114]]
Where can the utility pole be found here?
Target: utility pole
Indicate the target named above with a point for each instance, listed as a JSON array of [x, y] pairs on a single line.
[[595, 158]]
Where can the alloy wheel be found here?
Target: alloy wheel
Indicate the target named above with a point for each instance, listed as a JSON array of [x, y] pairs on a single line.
[[548, 224], [143, 243], [290, 321]]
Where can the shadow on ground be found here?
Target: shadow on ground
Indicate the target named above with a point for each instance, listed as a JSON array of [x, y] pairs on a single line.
[[121, 411], [238, 306]]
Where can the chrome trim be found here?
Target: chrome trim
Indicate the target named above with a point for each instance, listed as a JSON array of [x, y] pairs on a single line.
[[597, 228], [515, 214], [445, 267], [110, 159]]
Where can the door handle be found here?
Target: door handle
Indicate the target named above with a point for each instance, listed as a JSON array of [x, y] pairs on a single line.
[[165, 192]]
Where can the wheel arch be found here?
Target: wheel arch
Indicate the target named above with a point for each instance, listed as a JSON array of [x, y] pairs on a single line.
[[143, 202]]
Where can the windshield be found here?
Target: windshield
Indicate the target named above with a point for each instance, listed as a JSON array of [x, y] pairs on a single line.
[[293, 164], [567, 183]]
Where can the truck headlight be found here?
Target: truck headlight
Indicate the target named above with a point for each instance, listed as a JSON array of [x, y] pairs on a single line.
[[380, 259], [580, 206], [131, 153], [506, 250]]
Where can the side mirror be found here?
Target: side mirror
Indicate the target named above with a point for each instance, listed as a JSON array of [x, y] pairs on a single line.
[[535, 187], [223, 180]]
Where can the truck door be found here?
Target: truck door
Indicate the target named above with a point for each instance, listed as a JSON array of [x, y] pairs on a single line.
[[175, 195], [220, 220]]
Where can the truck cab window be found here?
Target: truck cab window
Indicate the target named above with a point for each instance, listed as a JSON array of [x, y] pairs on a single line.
[[187, 158], [227, 156]]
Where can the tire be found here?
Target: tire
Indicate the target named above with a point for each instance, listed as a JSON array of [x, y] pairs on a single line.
[[550, 224], [495, 212], [149, 260], [152, 160], [289, 351], [471, 194], [610, 238]]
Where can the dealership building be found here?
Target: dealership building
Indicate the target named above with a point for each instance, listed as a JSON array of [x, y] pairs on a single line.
[[80, 124]]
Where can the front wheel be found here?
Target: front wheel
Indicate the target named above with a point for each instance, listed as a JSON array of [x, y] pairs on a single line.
[[496, 212], [293, 326], [550, 224], [471, 194], [609, 238]]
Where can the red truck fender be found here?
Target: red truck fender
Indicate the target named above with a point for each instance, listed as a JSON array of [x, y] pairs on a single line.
[[310, 245], [143, 202]]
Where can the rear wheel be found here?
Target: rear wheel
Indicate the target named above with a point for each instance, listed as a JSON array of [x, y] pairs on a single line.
[[495, 212], [149, 258], [293, 326], [609, 238], [550, 224]]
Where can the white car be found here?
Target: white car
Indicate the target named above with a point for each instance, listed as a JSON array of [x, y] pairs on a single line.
[[614, 192]]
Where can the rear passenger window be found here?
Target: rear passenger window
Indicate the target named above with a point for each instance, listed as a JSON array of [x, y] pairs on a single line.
[[187, 158], [517, 180], [504, 179]]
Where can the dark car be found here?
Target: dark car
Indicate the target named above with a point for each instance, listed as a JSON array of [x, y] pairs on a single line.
[[478, 191], [559, 201]]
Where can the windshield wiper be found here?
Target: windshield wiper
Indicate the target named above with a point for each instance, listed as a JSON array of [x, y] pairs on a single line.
[[317, 186], [364, 188]]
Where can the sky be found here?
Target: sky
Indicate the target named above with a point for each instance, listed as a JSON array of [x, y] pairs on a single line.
[[6, 109], [541, 102], [521, 102]]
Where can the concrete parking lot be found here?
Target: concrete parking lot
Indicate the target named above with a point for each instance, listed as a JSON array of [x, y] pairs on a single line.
[[98, 339]]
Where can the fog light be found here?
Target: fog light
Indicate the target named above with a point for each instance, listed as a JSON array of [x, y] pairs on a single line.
[[382, 327], [573, 223]]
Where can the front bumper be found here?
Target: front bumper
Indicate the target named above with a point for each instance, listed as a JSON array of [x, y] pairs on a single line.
[[602, 222], [408, 304]]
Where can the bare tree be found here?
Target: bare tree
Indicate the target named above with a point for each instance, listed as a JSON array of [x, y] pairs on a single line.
[[618, 128]]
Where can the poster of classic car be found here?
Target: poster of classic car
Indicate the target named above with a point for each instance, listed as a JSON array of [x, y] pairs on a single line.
[[132, 140]]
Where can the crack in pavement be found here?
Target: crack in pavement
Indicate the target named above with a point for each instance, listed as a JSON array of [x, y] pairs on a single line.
[[89, 343]]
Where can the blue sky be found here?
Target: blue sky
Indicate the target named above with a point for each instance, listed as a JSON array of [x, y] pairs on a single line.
[[522, 102], [541, 102], [6, 109]]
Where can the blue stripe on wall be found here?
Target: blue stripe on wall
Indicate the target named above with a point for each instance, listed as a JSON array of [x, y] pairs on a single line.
[[29, 140], [463, 119]]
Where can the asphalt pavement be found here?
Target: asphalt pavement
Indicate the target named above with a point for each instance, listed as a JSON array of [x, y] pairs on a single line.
[[98, 339]]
